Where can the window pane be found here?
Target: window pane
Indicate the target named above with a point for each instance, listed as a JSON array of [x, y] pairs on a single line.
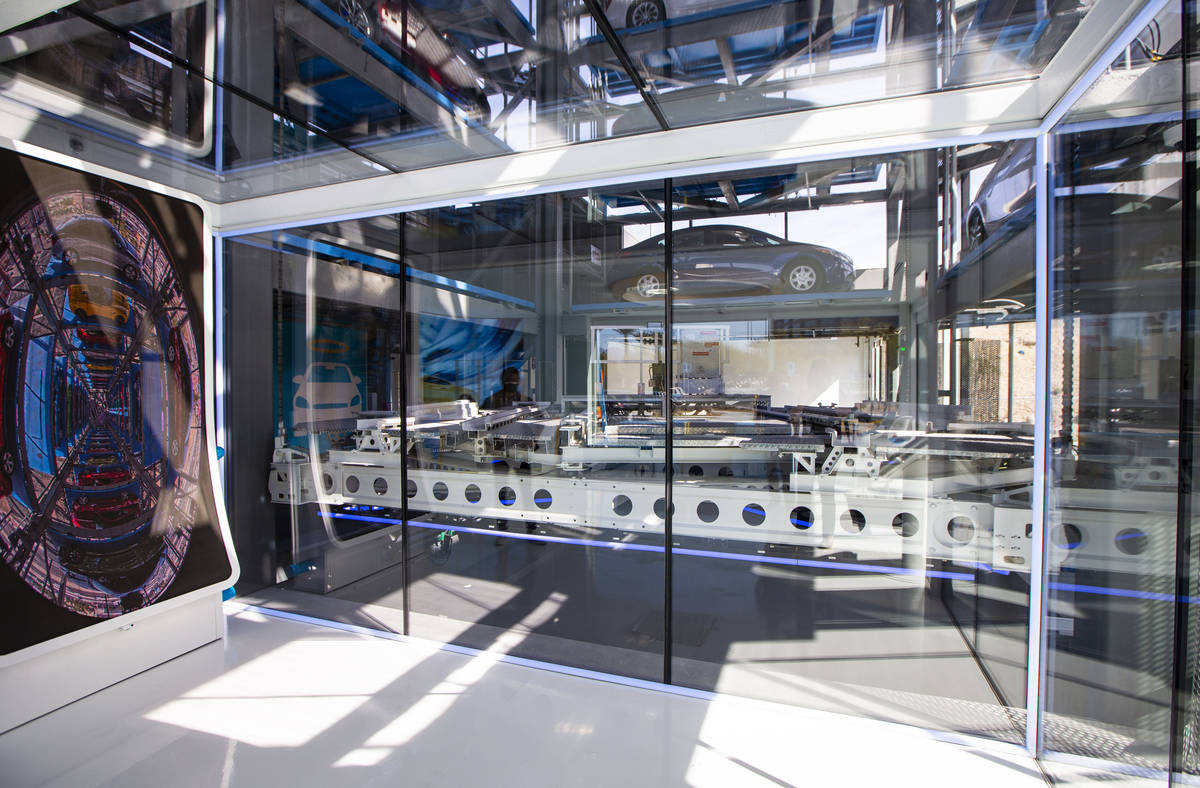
[[850, 524], [536, 431], [1114, 410]]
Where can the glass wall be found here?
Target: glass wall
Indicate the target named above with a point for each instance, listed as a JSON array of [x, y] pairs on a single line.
[[1114, 408], [1186, 765], [845, 514], [236, 98], [793, 463], [535, 436]]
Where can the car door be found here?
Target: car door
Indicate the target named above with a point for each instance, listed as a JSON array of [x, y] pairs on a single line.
[[693, 263], [1012, 185], [746, 262]]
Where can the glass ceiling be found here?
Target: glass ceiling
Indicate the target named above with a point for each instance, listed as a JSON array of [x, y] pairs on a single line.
[[264, 97]]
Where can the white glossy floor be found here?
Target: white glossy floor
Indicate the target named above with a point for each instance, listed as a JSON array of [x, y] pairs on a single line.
[[292, 704]]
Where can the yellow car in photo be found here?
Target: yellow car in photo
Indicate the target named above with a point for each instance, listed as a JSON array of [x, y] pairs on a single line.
[[98, 301]]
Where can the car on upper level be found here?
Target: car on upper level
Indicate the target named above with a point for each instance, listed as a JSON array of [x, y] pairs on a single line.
[[1006, 189], [721, 259]]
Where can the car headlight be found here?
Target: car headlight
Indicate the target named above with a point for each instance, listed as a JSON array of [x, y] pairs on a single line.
[[300, 402]]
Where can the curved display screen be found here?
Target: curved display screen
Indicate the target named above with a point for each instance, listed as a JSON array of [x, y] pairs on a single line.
[[105, 501]]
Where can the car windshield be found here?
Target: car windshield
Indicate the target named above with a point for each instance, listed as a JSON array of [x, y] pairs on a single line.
[[331, 374]]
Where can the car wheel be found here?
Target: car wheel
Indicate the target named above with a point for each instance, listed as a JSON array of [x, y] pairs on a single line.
[[9, 336], [645, 12], [802, 277], [170, 353], [976, 232], [358, 15], [649, 285], [130, 272], [8, 464]]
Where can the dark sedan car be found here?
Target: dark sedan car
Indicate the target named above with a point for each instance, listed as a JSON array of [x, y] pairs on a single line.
[[725, 260], [1008, 187]]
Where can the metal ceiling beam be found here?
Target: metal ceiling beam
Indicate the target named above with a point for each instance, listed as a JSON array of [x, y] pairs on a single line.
[[360, 64], [880, 127], [631, 70], [512, 22], [730, 194], [726, 55]]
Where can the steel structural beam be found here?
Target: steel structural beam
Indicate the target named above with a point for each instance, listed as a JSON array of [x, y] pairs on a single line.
[[980, 114], [984, 113], [346, 52], [908, 123]]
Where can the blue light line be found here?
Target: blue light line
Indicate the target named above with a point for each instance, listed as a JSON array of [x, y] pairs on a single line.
[[1128, 593], [645, 548]]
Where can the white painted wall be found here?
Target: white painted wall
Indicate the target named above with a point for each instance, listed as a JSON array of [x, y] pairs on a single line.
[[798, 371]]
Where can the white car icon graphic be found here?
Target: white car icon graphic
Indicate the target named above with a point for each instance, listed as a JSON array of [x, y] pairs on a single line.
[[326, 392]]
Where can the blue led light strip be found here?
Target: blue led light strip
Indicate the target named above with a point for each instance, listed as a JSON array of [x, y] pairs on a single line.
[[646, 548], [1129, 593]]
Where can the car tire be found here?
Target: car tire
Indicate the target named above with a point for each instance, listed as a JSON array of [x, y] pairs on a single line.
[[360, 16], [976, 232], [649, 285], [9, 336], [645, 12], [170, 353], [803, 276]]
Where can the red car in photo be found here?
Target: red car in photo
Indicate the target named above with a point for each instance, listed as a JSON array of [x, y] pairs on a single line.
[[105, 512], [104, 478]]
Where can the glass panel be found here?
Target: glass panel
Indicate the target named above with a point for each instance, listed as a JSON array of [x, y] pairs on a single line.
[[535, 427], [320, 91], [1114, 409], [851, 531], [1187, 730], [315, 329], [709, 60], [134, 68]]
